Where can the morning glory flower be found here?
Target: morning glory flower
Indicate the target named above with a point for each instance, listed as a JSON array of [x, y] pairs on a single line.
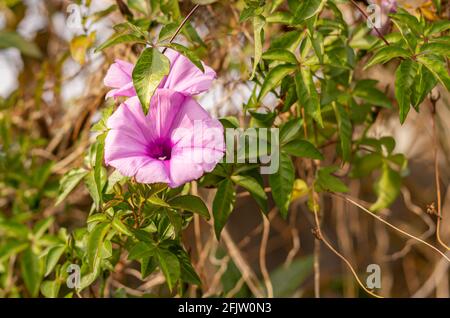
[[387, 7], [119, 78], [184, 77], [176, 142]]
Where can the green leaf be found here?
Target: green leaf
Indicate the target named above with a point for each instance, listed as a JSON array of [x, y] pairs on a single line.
[[289, 130], [119, 226], [114, 178], [258, 34], [318, 44], [188, 273], [101, 126], [282, 183], [52, 258], [327, 182], [437, 66], [188, 53], [281, 17], [91, 186], [137, 27], [148, 266], [254, 187], [169, 265], [12, 39], [69, 181], [274, 77], [97, 217], [280, 55], [386, 54], [437, 27], [190, 203], [155, 200], [287, 280], [42, 226], [345, 130], [138, 5], [98, 168], [148, 72], [10, 248], [435, 48], [423, 84], [223, 205], [405, 20], [388, 144], [404, 81], [32, 270], [142, 250], [229, 122], [387, 188], [307, 95], [302, 148], [119, 39], [50, 288], [307, 9], [97, 15], [288, 40], [95, 245], [167, 31], [366, 90], [363, 166]]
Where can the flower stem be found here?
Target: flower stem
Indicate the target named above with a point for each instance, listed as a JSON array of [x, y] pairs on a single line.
[[367, 18], [182, 24]]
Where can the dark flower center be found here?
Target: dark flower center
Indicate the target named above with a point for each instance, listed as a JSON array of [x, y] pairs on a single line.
[[160, 149]]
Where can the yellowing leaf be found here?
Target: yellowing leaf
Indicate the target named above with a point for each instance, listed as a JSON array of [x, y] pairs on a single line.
[[300, 189], [79, 45]]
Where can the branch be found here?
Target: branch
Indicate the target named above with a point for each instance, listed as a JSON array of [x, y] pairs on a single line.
[[182, 25], [262, 257], [437, 173], [124, 10], [245, 269], [390, 225], [367, 19], [319, 235]]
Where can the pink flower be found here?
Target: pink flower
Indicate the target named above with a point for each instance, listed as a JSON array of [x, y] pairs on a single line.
[[183, 77], [387, 7], [119, 78], [175, 143]]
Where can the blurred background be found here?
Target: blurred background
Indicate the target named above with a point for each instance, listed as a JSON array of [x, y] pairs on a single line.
[[51, 92]]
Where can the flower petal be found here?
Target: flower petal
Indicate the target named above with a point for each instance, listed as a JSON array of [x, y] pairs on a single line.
[[130, 119], [198, 143], [194, 127], [119, 74], [187, 164], [126, 90], [185, 77], [164, 107], [153, 171]]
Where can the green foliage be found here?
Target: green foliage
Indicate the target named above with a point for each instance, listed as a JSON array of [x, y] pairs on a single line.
[[302, 53], [150, 69], [223, 204]]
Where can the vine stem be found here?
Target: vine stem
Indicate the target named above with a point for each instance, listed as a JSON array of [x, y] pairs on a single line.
[[367, 19], [262, 257], [390, 225], [182, 24], [321, 237], [437, 176]]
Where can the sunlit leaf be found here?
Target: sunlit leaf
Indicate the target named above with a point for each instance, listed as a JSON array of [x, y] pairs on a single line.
[[148, 72]]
